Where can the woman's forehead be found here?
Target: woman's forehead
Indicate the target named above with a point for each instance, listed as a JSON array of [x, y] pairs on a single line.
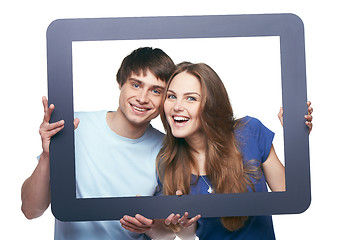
[[185, 82]]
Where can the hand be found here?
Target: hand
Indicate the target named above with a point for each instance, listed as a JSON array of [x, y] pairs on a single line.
[[153, 228], [47, 130], [183, 221], [307, 117], [138, 224]]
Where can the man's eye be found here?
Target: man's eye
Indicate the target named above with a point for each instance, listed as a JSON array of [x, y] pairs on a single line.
[[135, 85], [156, 91]]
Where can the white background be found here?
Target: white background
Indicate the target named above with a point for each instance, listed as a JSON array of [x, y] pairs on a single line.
[[332, 56]]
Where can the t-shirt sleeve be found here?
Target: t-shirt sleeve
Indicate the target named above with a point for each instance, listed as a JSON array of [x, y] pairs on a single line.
[[256, 139], [264, 139]]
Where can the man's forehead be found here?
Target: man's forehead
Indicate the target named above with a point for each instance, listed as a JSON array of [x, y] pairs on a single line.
[[147, 77]]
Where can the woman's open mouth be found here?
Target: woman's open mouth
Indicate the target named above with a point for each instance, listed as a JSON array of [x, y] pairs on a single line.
[[180, 120]]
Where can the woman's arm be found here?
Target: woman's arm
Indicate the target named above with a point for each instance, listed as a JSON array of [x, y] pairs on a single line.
[[274, 172]]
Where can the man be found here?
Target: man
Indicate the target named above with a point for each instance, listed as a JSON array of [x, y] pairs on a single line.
[[115, 151]]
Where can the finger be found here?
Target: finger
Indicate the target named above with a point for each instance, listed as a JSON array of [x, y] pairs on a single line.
[[309, 118], [48, 112], [45, 103], [52, 126], [49, 130], [310, 126], [175, 219], [145, 221], [179, 193], [184, 218], [168, 219], [192, 221], [308, 103], [76, 123], [310, 110], [280, 115]]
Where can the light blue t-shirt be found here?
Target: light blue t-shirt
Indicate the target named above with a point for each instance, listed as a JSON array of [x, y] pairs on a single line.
[[108, 165]]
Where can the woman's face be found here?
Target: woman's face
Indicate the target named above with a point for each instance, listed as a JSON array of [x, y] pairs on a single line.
[[182, 106]]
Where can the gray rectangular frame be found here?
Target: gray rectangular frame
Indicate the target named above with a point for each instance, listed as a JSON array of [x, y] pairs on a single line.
[[289, 27]]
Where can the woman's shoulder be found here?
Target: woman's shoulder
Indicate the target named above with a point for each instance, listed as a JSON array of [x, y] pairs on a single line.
[[248, 123]]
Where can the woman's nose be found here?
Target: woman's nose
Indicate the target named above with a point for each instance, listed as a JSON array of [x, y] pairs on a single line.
[[178, 106]]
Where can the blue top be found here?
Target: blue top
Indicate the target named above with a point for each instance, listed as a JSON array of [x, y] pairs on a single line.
[[255, 142]]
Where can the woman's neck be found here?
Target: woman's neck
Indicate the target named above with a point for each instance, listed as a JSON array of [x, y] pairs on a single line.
[[198, 145]]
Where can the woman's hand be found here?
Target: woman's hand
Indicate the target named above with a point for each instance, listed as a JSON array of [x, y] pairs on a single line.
[[308, 117], [183, 221]]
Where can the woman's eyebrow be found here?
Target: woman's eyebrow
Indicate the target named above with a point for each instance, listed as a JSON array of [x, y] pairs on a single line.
[[187, 93], [190, 93]]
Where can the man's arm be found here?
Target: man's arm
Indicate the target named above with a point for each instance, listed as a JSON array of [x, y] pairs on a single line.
[[35, 191]]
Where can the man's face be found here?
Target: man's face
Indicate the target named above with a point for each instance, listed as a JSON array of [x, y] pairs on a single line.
[[140, 98]]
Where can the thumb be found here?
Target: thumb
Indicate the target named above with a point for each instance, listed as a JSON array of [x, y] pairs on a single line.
[[76, 123], [280, 115]]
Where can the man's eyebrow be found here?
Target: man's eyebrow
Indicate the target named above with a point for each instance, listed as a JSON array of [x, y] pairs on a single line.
[[158, 86], [136, 80]]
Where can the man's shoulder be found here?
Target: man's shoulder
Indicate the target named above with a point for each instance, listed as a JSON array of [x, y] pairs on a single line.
[[155, 132], [85, 114]]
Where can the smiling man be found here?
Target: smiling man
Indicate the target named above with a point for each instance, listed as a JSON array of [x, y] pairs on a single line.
[[115, 151]]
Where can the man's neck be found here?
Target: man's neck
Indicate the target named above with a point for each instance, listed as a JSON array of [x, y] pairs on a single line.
[[122, 127]]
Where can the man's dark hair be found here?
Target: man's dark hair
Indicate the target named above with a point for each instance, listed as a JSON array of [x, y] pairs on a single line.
[[146, 59]]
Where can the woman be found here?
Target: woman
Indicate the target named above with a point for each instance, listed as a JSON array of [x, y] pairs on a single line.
[[205, 149]]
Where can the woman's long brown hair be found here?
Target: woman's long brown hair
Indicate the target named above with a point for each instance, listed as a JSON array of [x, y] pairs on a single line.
[[224, 164]]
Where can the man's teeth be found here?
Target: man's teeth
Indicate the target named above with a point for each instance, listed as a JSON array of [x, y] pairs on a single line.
[[139, 109]]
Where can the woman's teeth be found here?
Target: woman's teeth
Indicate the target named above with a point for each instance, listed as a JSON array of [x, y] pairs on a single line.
[[181, 119]]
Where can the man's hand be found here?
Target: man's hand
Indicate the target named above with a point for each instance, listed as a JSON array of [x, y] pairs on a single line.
[[48, 130], [153, 228], [138, 224]]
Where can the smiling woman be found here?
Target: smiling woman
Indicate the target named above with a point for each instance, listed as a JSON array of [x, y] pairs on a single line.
[[182, 106], [206, 150]]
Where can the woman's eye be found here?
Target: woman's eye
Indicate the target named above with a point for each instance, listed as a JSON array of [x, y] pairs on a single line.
[[171, 96], [191, 98]]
